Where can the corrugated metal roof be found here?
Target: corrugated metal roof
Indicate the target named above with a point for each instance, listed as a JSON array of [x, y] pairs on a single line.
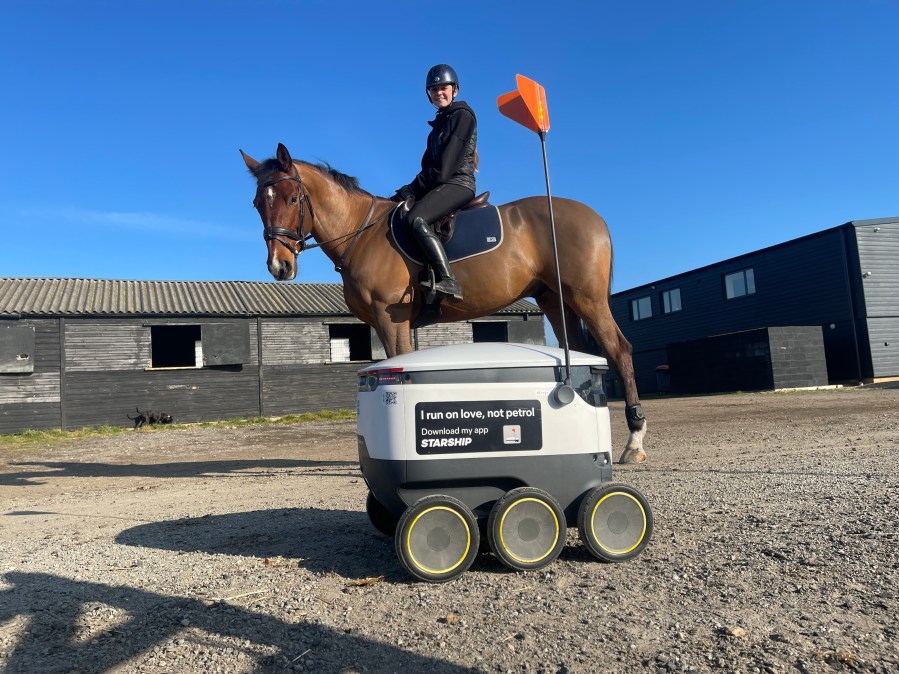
[[102, 297]]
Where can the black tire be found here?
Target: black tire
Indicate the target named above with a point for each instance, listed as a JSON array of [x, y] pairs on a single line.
[[382, 519], [526, 529], [437, 538], [615, 522]]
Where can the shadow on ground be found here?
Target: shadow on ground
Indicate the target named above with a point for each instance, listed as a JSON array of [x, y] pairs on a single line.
[[41, 470], [50, 642], [336, 541]]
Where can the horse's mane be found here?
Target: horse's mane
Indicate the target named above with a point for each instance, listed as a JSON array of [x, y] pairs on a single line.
[[348, 183]]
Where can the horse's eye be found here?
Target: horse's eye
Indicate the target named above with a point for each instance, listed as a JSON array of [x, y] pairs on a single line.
[[293, 200]]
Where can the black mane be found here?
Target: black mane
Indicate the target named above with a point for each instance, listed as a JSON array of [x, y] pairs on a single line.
[[350, 184]]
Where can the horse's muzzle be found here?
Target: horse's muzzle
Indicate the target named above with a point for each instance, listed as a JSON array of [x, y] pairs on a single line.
[[282, 270]]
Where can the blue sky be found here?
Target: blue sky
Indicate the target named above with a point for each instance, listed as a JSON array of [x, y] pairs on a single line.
[[699, 129]]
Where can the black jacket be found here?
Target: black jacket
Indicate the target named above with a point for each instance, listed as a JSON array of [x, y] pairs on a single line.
[[449, 157]]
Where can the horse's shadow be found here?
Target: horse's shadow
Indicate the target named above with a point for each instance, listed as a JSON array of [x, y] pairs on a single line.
[[50, 610], [336, 541]]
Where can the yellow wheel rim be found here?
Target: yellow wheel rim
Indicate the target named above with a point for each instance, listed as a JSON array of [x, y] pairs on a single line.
[[555, 521], [593, 522], [408, 541]]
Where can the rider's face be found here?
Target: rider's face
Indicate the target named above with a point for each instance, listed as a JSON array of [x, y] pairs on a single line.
[[441, 95]]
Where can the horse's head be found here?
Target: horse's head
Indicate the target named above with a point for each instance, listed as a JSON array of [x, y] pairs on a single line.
[[286, 212]]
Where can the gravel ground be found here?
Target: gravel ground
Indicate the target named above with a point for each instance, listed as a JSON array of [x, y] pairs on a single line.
[[776, 548]]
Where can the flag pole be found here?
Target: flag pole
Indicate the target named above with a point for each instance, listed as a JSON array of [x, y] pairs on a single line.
[[527, 106], [552, 227]]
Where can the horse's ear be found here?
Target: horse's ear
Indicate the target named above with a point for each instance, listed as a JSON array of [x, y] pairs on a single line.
[[251, 163], [284, 159]]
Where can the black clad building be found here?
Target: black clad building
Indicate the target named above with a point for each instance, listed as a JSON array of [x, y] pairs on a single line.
[[843, 280]]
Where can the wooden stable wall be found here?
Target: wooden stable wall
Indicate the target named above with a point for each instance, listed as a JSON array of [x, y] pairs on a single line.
[[95, 371], [90, 372], [32, 399]]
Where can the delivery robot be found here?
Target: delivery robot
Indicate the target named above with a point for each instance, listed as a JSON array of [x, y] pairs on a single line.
[[508, 442]]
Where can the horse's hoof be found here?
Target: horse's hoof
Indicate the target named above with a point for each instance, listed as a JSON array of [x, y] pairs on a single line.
[[633, 455]]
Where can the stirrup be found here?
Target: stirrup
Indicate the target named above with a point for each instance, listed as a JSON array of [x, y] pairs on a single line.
[[428, 282]]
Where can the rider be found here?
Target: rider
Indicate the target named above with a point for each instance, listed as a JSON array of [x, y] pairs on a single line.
[[446, 181]]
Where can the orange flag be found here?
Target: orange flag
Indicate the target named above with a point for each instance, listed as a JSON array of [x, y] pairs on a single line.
[[526, 105]]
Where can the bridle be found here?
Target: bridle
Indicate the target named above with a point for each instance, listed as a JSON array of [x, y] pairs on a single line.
[[301, 236]]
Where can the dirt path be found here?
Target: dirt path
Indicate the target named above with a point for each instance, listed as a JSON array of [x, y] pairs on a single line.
[[776, 548]]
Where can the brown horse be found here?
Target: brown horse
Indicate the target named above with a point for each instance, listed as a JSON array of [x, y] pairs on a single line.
[[298, 201]]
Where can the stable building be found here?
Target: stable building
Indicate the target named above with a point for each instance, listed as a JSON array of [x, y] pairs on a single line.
[[725, 326], [86, 352]]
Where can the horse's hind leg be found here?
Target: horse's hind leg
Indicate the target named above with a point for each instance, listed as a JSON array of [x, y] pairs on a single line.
[[598, 317], [554, 310]]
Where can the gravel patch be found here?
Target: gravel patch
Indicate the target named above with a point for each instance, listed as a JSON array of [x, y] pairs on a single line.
[[776, 549]]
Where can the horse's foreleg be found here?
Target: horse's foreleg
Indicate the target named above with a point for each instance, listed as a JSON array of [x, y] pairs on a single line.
[[395, 337]]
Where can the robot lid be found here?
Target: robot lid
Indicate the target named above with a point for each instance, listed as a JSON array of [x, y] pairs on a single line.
[[483, 356]]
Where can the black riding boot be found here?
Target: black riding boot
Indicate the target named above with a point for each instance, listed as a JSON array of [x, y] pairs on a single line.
[[446, 284]]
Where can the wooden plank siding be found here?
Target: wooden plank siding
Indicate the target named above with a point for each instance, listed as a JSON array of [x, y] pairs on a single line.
[[294, 389], [115, 344], [17, 417], [124, 344], [108, 376], [32, 400], [442, 334], [294, 341], [883, 336], [189, 395], [878, 256]]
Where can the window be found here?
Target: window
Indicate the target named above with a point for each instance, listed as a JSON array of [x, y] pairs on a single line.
[[349, 342], [176, 346], [671, 301], [488, 331], [207, 345], [641, 308], [739, 283]]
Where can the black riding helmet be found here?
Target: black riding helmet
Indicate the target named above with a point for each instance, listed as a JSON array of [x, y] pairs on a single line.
[[441, 74]]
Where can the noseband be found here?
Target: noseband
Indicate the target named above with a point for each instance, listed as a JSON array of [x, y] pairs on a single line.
[[299, 237]]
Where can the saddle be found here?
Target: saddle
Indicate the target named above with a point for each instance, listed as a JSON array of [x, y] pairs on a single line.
[[445, 227], [481, 232]]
